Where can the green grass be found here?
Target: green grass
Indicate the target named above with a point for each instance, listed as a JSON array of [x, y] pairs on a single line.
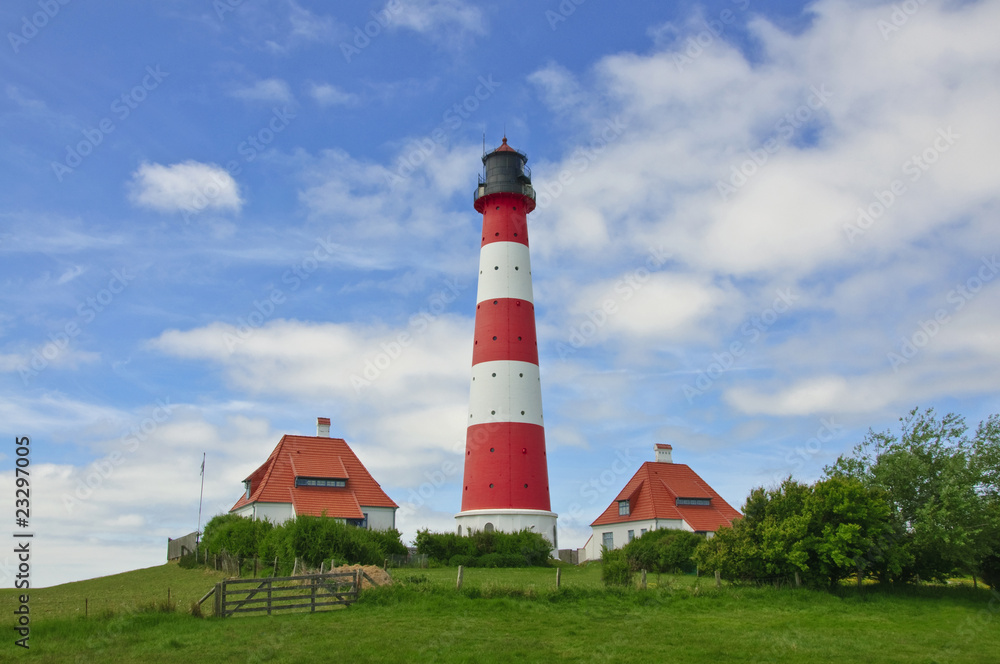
[[517, 615], [128, 591]]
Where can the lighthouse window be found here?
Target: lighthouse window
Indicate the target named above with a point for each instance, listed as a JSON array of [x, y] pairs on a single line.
[[491, 485], [494, 338], [492, 412], [525, 486], [496, 301], [497, 267], [515, 267], [494, 375], [521, 375], [492, 449], [522, 412]]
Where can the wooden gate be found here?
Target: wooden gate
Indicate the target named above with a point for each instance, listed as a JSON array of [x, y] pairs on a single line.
[[313, 591]]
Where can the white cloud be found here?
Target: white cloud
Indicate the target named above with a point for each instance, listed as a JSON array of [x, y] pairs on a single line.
[[189, 186], [326, 94], [449, 22], [270, 90]]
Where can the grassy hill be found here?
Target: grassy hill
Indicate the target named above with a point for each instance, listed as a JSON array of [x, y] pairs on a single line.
[[517, 615]]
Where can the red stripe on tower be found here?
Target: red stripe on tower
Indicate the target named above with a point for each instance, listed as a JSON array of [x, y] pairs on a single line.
[[506, 483]]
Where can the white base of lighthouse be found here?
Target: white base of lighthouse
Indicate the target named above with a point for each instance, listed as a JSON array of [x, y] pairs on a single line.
[[509, 521]]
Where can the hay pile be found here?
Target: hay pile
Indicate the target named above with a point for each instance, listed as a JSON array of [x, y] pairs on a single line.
[[377, 574]]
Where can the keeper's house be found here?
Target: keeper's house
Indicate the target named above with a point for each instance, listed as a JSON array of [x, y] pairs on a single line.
[[661, 494], [316, 475]]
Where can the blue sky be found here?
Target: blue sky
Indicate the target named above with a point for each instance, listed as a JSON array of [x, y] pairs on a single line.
[[762, 229]]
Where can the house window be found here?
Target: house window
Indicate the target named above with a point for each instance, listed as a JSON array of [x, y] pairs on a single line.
[[360, 523], [622, 508], [320, 481], [631, 535], [642, 532], [694, 501], [247, 485], [609, 541]]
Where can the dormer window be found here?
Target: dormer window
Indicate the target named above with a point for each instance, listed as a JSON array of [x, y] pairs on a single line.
[[320, 481], [694, 501], [623, 508], [246, 484]]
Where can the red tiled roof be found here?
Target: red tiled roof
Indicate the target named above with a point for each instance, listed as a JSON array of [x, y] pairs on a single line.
[[315, 456], [653, 492]]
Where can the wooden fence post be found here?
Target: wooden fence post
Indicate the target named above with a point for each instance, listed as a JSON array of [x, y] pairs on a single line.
[[275, 566], [313, 600], [718, 579], [558, 577], [255, 567], [218, 599], [798, 580], [269, 585], [458, 584]]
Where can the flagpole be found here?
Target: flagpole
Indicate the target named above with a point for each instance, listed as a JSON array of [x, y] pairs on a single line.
[[201, 498]]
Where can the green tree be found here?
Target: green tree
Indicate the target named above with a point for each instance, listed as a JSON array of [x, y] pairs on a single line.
[[943, 488], [822, 532]]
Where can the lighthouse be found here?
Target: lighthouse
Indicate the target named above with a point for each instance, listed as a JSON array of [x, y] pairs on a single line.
[[506, 483]]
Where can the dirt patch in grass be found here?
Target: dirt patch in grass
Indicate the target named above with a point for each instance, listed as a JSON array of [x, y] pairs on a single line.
[[377, 574]]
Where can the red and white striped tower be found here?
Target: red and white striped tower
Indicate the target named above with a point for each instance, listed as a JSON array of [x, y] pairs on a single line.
[[506, 483]]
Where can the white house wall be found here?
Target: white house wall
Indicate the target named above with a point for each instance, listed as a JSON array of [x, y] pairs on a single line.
[[380, 518], [619, 533]]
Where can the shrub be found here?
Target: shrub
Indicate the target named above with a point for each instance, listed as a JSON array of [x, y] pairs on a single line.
[[523, 548], [664, 551], [502, 560], [615, 570], [463, 560]]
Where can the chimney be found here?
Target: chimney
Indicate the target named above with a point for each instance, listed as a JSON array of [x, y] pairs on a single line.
[[663, 453], [323, 427]]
